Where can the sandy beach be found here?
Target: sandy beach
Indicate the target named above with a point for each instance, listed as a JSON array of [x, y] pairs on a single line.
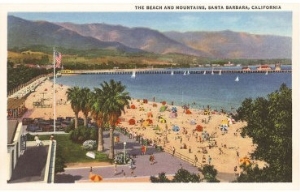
[[223, 149]]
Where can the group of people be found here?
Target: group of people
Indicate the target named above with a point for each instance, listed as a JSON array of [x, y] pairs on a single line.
[[203, 160], [39, 142]]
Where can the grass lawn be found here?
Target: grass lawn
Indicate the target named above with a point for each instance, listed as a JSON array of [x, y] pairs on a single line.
[[73, 152]]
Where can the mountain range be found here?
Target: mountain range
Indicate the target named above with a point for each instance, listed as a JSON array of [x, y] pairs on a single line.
[[220, 44]]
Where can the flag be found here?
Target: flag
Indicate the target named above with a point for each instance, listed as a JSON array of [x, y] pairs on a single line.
[[57, 59]]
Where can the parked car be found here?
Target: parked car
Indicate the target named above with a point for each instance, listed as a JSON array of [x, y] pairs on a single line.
[[33, 128], [27, 121]]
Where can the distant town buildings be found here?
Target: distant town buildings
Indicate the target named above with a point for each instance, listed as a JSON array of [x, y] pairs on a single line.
[[263, 68], [277, 67], [246, 68]]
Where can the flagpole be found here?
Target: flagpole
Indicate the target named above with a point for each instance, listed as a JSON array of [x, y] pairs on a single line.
[[54, 99]]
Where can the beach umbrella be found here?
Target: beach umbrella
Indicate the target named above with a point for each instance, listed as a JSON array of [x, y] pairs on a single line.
[[199, 128], [131, 122], [193, 122], [149, 114], [118, 121], [245, 161], [145, 124], [173, 115], [174, 110], [163, 108], [225, 122], [132, 107], [96, 178], [149, 121], [224, 128], [188, 112], [162, 120], [175, 128]]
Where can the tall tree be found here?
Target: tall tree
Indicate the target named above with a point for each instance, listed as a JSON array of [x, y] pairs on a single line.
[[269, 124], [96, 102], [184, 176], [209, 173], [73, 95], [181, 176], [115, 101], [85, 104]]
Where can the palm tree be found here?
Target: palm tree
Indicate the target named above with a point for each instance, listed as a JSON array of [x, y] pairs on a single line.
[[96, 102], [73, 95], [115, 100], [85, 105]]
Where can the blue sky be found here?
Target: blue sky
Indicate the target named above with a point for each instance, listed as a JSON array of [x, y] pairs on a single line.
[[268, 23]]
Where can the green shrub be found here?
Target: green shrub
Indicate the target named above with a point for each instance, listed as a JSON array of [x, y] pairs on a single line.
[[82, 134], [119, 158], [70, 127], [59, 160], [101, 156], [89, 145], [29, 137]]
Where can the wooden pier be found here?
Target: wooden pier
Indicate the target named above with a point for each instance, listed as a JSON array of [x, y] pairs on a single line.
[[165, 71]]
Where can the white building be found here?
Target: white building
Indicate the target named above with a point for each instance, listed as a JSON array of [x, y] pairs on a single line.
[[14, 144]]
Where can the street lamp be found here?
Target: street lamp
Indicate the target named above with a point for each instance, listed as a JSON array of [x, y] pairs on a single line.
[[124, 152]]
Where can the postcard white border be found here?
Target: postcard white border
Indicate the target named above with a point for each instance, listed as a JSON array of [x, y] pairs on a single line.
[[91, 6]]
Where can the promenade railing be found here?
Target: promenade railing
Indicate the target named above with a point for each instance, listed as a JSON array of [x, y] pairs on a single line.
[[183, 157], [18, 88]]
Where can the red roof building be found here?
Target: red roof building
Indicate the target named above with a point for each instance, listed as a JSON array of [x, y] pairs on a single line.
[[264, 68]]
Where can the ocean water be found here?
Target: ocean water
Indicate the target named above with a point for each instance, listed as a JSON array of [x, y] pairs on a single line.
[[196, 90]]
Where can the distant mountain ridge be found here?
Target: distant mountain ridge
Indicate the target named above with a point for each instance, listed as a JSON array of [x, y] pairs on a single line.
[[229, 44], [140, 38], [222, 44], [22, 33]]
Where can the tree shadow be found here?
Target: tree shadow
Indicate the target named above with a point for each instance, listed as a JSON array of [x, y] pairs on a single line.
[[66, 178]]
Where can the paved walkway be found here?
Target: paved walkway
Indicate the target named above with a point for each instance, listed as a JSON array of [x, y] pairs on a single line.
[[31, 165], [164, 162]]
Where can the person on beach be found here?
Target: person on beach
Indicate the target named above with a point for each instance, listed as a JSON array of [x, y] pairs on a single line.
[[143, 149], [151, 159], [220, 151], [38, 141], [132, 172], [195, 160], [173, 151], [209, 159], [235, 170], [131, 163], [203, 159]]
